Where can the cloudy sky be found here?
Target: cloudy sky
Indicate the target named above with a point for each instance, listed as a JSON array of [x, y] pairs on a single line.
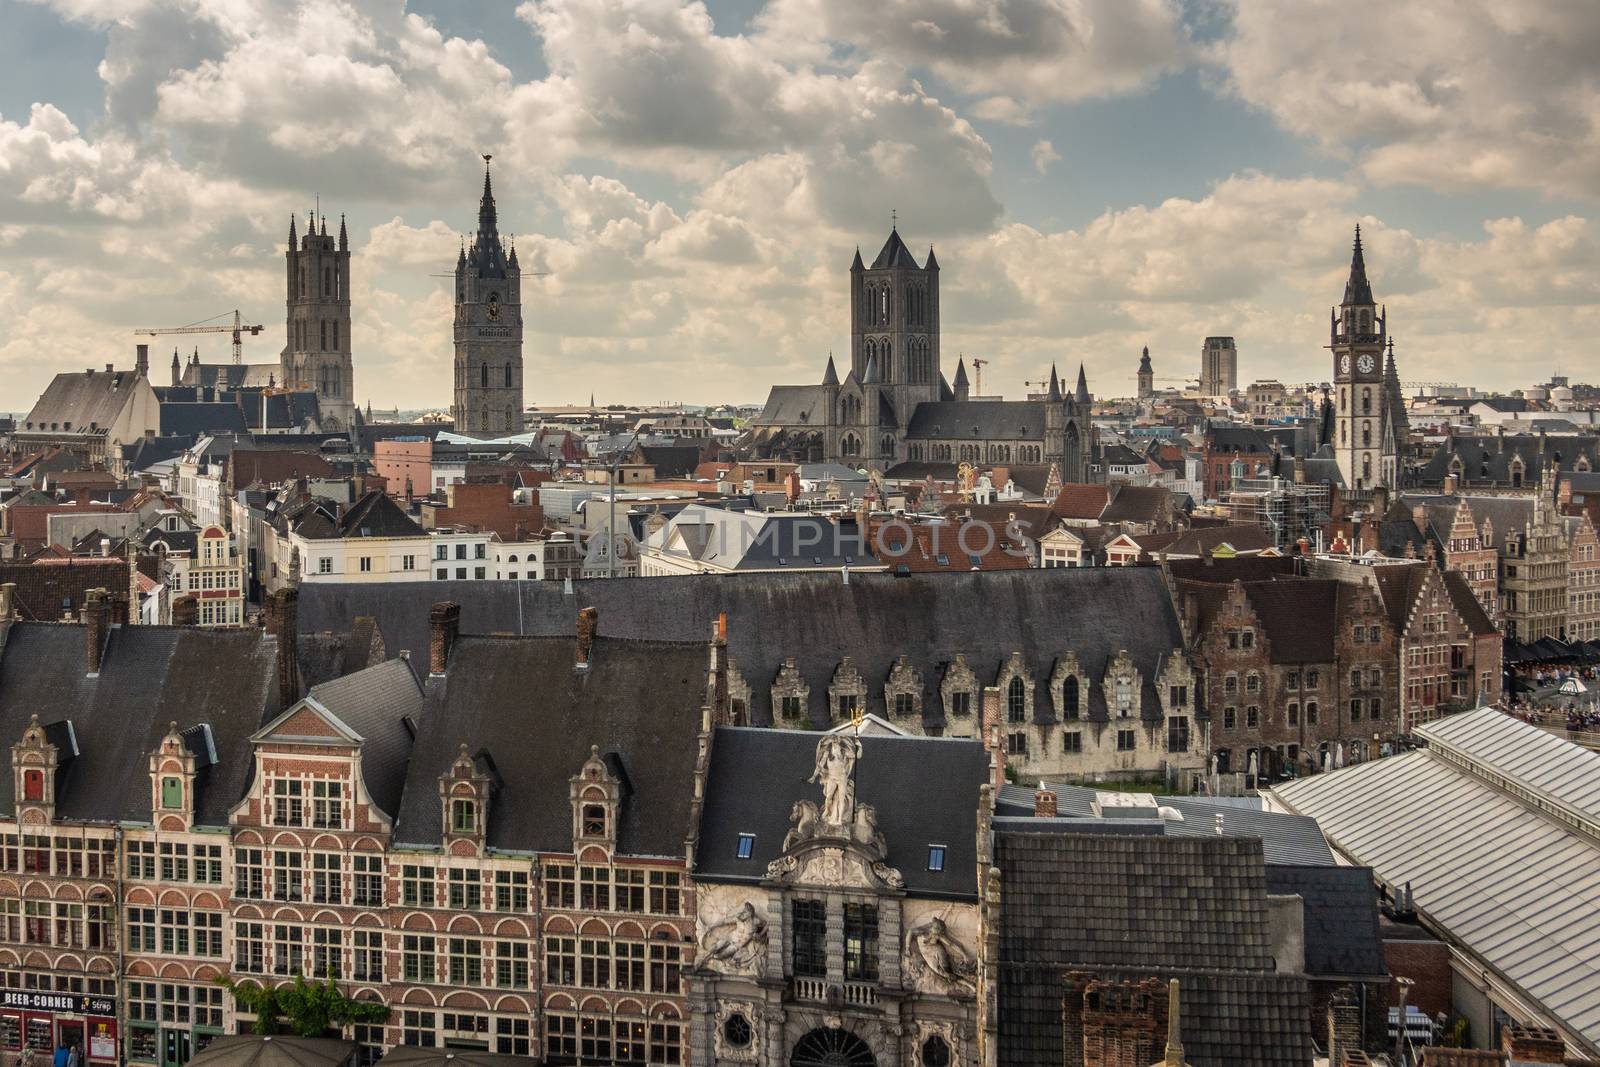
[[1096, 175]]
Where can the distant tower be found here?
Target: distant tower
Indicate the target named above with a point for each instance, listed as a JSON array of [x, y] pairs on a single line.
[[1357, 332], [894, 328], [488, 330], [317, 355], [1219, 367], [1147, 376]]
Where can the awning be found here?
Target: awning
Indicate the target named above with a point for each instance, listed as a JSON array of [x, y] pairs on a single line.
[[275, 1050], [412, 1056]]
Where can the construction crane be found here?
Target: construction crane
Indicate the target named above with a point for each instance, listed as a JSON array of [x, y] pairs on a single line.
[[237, 329], [977, 373]]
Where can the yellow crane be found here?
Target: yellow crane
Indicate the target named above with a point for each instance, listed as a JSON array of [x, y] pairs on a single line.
[[238, 329]]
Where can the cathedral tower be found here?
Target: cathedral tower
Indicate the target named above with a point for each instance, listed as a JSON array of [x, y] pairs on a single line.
[[317, 353], [1147, 376], [1357, 333], [488, 330], [894, 327]]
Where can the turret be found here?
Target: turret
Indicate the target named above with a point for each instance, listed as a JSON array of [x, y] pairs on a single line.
[[1054, 395], [961, 388], [344, 239], [1081, 394]]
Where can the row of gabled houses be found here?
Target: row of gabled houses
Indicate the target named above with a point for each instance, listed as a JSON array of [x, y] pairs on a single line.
[[564, 845]]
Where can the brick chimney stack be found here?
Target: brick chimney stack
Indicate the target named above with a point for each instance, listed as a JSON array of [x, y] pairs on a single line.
[[283, 622], [444, 624], [1044, 803], [993, 737], [185, 611], [721, 701], [1344, 1025], [588, 620], [96, 628], [1533, 1044]]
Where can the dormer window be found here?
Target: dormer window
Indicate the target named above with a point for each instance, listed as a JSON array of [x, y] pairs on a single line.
[[935, 857], [463, 817], [33, 786], [594, 820], [172, 793], [746, 847]]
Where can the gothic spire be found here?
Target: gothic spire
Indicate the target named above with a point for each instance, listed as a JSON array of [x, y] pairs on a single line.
[[291, 232], [961, 372], [344, 239], [1082, 393], [1055, 385], [869, 374], [486, 215], [932, 264], [324, 225], [856, 266], [1357, 290], [831, 375]]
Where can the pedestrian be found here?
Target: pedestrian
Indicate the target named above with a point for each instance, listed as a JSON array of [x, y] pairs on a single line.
[[74, 1056], [26, 1059], [62, 1055]]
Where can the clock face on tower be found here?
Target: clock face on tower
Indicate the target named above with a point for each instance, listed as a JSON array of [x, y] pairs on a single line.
[[1366, 363], [1344, 363]]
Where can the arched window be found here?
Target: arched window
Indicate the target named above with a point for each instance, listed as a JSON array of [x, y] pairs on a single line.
[[1017, 701], [1366, 433], [509, 382], [1366, 401], [1069, 697], [483, 375]]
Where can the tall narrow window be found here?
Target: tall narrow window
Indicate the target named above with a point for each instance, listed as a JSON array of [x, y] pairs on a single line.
[[508, 376], [1069, 697], [861, 942], [483, 375], [324, 333], [810, 922], [1017, 701]]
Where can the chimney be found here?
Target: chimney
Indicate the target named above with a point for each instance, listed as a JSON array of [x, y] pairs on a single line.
[[96, 627], [186, 611], [141, 360], [283, 622], [1344, 1025], [444, 623], [1450, 485], [588, 620], [993, 738], [1532, 1044], [1174, 1057], [8, 602], [721, 704], [1044, 803]]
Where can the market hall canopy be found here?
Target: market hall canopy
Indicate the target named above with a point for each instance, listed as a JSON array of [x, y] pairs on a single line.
[[412, 1056], [274, 1050]]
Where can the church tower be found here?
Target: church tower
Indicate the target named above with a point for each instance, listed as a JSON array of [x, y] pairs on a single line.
[[1147, 376], [488, 330], [1357, 333], [894, 330], [317, 353]]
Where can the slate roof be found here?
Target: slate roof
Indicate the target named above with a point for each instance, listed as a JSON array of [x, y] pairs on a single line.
[[374, 515], [794, 405], [1467, 605], [1488, 458], [989, 420], [1113, 901], [1341, 917], [375, 703], [82, 398], [818, 620], [1079, 500], [520, 702], [149, 676], [924, 790], [1131, 907], [1138, 503], [1286, 840], [895, 255], [201, 418]]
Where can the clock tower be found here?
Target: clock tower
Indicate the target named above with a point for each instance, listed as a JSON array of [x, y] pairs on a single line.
[[1363, 440], [488, 330]]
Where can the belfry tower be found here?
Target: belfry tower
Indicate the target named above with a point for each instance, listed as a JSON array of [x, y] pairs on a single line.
[[488, 330]]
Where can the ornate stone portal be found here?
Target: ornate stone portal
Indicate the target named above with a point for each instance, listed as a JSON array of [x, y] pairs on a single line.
[[837, 844]]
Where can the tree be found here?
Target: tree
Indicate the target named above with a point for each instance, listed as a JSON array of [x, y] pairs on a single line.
[[309, 1009]]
